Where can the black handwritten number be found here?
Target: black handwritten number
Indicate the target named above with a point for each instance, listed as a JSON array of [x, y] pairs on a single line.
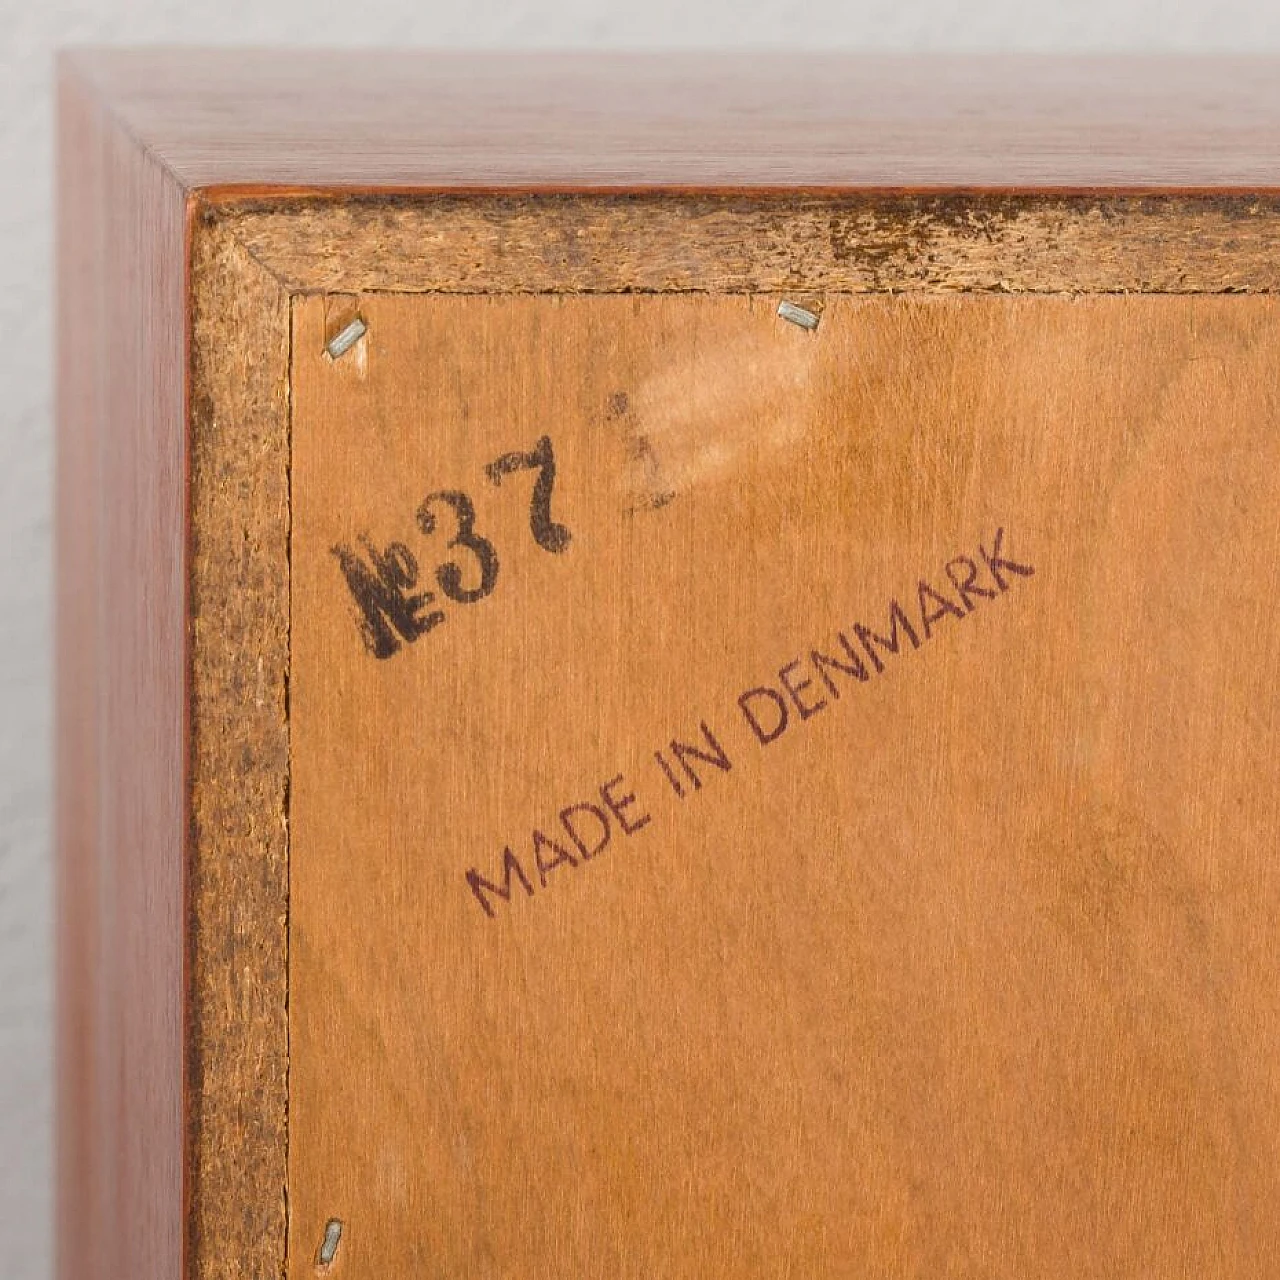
[[382, 590], [549, 535], [449, 575]]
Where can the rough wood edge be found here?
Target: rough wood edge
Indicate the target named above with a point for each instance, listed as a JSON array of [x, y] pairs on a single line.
[[237, 896], [737, 242]]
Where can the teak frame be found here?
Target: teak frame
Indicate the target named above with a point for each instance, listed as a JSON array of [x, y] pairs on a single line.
[[178, 267]]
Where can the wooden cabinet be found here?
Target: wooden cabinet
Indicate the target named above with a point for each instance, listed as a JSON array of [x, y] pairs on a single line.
[[668, 667]]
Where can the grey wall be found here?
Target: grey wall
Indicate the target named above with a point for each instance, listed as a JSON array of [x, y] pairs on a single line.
[[29, 31]]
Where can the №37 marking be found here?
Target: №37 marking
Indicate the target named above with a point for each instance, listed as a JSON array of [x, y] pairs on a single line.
[[391, 610]]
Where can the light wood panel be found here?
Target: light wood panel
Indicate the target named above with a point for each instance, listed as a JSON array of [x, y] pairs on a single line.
[[967, 971]]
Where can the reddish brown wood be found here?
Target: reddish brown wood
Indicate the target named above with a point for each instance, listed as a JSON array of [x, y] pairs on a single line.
[[121, 699], [415, 120], [173, 880], [79, 401]]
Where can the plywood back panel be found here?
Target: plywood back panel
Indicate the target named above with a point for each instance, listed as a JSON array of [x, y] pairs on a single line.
[[957, 960]]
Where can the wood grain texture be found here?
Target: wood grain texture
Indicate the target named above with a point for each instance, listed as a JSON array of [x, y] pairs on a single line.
[[203, 196], [969, 971], [237, 1048], [420, 120], [723, 243], [121, 701], [81, 187]]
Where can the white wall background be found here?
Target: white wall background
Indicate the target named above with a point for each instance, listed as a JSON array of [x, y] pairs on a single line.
[[29, 32]]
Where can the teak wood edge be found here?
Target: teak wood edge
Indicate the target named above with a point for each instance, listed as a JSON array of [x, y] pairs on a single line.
[[222, 262]]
